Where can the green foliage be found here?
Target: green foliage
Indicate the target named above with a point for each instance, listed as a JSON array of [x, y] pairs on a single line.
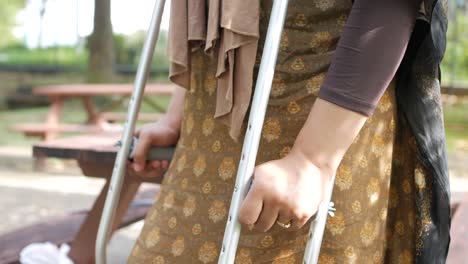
[[8, 11], [128, 49], [456, 124], [455, 63], [67, 56]]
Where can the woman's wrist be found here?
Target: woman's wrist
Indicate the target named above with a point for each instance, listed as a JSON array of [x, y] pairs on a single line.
[[174, 115], [327, 135], [171, 121], [326, 164]]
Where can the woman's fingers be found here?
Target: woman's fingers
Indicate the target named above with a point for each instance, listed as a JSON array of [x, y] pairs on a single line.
[[136, 133], [152, 173], [267, 217], [152, 134], [159, 164], [251, 207], [286, 217], [141, 148], [298, 223], [148, 171], [155, 164], [165, 164], [300, 219]]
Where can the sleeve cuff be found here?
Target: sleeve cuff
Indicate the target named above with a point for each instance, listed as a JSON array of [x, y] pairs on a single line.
[[346, 101]]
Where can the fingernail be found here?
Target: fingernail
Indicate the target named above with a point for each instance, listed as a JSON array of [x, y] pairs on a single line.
[[137, 167]]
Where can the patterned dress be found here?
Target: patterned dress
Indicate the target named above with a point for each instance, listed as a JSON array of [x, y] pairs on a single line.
[[376, 182]]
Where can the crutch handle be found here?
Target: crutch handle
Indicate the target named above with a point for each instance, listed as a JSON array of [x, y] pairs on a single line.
[[155, 153]]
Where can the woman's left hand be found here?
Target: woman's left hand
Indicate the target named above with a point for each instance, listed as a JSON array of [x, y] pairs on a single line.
[[289, 190]]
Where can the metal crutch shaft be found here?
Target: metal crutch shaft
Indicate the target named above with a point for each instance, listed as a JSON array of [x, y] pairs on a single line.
[[254, 128], [250, 149], [118, 172], [317, 227]]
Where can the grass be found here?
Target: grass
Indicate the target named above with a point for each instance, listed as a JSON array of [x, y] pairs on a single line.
[[456, 126]]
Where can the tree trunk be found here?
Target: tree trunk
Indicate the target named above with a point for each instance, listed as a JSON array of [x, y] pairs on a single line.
[[101, 45]]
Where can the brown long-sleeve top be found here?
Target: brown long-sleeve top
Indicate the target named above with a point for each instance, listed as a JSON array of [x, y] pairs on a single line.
[[368, 54]]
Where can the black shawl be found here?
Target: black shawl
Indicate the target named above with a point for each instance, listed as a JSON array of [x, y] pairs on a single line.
[[419, 100]]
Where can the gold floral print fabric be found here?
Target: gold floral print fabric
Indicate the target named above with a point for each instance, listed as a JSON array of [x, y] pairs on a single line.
[[375, 220]]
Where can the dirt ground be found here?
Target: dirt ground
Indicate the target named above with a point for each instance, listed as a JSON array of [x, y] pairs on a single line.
[[28, 196]]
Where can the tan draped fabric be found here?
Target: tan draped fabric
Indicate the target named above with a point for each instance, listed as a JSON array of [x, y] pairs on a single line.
[[228, 28]]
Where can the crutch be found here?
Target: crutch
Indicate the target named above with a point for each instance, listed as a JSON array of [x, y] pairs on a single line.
[[251, 144], [118, 172]]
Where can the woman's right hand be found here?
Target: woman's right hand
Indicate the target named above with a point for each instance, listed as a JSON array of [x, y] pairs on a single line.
[[162, 133]]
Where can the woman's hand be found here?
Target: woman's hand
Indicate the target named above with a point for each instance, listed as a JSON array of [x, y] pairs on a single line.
[[289, 190], [161, 133]]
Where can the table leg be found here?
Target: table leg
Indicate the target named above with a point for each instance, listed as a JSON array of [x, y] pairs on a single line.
[[93, 113], [82, 248], [53, 116], [114, 104]]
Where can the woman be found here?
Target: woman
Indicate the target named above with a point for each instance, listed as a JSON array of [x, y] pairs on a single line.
[[362, 107]]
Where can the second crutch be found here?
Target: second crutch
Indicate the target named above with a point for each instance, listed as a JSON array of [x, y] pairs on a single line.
[[251, 144], [118, 172]]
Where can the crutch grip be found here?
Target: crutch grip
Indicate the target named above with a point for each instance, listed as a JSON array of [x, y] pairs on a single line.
[[155, 153]]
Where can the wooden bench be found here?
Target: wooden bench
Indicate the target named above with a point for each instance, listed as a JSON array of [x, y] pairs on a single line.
[[83, 89], [41, 129], [64, 228], [97, 121]]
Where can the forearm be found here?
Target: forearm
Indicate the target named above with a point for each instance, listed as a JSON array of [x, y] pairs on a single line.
[[175, 109], [368, 54], [327, 134]]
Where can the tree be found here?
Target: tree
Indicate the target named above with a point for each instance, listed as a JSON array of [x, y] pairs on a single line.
[[42, 11], [101, 45]]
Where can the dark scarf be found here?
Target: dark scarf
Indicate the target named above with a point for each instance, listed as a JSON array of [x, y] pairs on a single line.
[[419, 100]]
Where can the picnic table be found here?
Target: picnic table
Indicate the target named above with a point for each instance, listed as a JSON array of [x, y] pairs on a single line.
[[457, 90], [97, 120], [95, 155]]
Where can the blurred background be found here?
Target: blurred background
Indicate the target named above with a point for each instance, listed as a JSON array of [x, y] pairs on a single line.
[[50, 42]]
